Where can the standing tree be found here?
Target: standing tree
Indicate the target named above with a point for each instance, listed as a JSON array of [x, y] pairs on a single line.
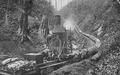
[[23, 9], [24, 20]]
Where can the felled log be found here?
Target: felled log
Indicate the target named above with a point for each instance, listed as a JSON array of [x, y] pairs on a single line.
[[33, 72], [2, 57], [38, 57], [4, 73], [53, 65], [31, 56], [83, 55], [44, 64]]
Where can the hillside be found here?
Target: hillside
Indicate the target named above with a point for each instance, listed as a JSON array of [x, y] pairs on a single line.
[[93, 25], [101, 19]]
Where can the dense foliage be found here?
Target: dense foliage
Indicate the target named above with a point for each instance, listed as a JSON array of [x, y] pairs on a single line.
[[18, 18], [100, 18]]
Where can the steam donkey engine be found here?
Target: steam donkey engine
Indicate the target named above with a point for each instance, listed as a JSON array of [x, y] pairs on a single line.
[[57, 42]]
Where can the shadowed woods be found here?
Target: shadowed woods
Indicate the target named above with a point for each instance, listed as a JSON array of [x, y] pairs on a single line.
[[93, 26]]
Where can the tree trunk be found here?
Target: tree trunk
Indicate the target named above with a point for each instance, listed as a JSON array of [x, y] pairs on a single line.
[[6, 19], [25, 28], [24, 22]]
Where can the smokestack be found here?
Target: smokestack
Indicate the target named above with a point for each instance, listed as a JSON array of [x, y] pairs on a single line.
[[61, 3], [56, 4]]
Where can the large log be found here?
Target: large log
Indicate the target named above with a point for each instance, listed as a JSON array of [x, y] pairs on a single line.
[[47, 63], [53, 65], [4, 73]]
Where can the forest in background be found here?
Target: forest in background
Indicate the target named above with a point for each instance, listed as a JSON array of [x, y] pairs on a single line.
[[100, 18], [18, 18]]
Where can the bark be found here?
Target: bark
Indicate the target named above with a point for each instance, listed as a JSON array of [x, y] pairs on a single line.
[[24, 22], [24, 27]]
